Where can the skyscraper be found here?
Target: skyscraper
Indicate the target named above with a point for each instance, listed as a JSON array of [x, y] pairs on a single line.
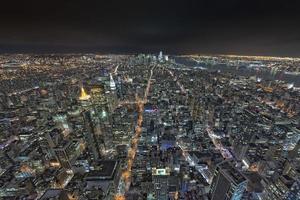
[[228, 183], [91, 139], [112, 83], [160, 182], [160, 56], [67, 152]]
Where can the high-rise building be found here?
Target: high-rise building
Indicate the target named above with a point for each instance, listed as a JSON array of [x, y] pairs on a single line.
[[91, 137], [160, 56], [112, 101], [279, 188], [228, 183], [112, 83], [62, 157], [107, 173], [160, 179], [68, 152], [83, 95]]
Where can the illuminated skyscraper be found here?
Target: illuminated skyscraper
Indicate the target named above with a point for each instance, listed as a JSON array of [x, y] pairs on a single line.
[[160, 56], [83, 95], [112, 83], [160, 179]]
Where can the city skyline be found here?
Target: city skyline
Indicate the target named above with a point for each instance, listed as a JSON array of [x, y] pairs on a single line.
[[150, 100], [149, 127]]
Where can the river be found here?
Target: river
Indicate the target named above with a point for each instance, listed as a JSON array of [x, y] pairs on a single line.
[[265, 74]]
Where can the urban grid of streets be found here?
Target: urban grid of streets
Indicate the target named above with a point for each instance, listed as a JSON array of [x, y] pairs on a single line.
[[126, 176], [149, 127]]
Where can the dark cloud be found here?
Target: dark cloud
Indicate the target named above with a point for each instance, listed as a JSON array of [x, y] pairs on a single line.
[[199, 26]]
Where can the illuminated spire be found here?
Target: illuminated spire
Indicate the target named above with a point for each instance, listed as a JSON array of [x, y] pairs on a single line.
[[83, 95], [112, 83]]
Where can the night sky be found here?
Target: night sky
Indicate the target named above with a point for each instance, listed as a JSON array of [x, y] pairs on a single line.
[[247, 27]]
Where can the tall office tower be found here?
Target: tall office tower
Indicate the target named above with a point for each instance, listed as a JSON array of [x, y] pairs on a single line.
[[101, 108], [112, 83], [279, 188], [52, 139], [83, 95], [228, 183], [120, 92], [68, 152], [160, 56], [160, 179], [102, 128], [91, 135], [111, 101], [62, 157], [106, 130]]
